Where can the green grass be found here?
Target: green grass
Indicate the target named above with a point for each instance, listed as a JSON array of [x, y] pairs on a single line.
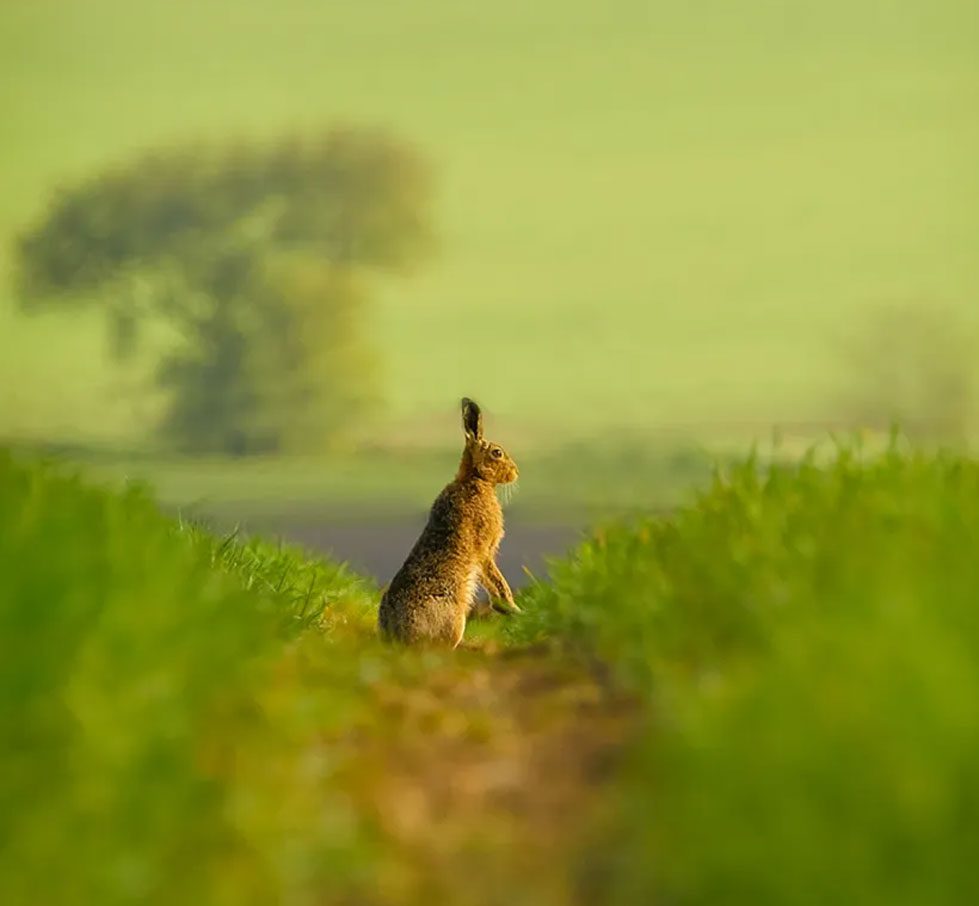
[[806, 641], [693, 204], [155, 683], [206, 719], [185, 718]]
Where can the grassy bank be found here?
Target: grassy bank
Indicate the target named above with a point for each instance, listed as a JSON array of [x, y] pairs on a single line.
[[766, 697], [211, 720], [806, 640], [155, 681]]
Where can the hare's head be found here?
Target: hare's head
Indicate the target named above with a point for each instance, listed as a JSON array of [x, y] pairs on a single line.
[[482, 458]]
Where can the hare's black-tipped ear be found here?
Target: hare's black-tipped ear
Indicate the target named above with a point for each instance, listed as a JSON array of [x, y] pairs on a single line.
[[472, 419]]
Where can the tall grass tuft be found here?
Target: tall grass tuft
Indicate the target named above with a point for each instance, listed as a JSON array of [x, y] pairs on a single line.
[[156, 693], [806, 640]]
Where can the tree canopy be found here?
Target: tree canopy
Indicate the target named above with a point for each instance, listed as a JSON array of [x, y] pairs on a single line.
[[254, 254]]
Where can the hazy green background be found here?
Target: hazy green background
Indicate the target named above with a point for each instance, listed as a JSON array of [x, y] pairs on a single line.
[[662, 228], [649, 213]]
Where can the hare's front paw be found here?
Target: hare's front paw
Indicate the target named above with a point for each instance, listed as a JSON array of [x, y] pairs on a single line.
[[506, 606]]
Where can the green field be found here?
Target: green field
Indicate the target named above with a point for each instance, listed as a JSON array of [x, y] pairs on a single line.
[[647, 214], [662, 228], [568, 483], [767, 697]]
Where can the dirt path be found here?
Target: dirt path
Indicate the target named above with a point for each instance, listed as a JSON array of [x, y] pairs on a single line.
[[485, 783]]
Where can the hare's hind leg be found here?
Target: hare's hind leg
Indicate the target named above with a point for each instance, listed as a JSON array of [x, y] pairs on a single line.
[[436, 620]]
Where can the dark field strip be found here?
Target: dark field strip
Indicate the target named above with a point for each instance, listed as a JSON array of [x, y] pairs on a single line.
[[377, 549]]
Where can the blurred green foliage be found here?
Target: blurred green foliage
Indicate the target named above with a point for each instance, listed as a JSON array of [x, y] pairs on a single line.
[[253, 258], [159, 701], [806, 640], [914, 364], [179, 712]]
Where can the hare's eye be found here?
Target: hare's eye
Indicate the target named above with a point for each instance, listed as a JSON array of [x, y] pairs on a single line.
[[497, 453]]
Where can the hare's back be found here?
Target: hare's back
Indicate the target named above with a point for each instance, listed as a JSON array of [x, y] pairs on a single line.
[[433, 586]]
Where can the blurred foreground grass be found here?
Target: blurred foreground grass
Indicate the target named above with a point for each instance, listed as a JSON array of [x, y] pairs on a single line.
[[806, 640], [151, 703], [212, 720], [786, 713]]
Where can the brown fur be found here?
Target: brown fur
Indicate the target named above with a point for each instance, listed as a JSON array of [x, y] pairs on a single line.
[[430, 597]]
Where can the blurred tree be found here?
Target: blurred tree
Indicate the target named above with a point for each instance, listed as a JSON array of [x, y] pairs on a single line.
[[914, 365], [254, 257]]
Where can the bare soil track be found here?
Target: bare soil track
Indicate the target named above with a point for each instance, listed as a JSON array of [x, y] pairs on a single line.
[[487, 782]]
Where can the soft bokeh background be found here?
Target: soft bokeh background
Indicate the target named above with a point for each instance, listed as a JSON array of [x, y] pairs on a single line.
[[254, 252], [660, 228]]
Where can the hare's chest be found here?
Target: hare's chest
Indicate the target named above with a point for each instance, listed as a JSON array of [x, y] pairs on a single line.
[[489, 525], [469, 586]]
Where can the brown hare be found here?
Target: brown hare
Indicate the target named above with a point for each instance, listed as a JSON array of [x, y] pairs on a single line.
[[429, 598]]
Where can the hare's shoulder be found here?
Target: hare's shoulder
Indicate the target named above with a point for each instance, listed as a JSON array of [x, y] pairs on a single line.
[[465, 509], [462, 508], [448, 512]]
